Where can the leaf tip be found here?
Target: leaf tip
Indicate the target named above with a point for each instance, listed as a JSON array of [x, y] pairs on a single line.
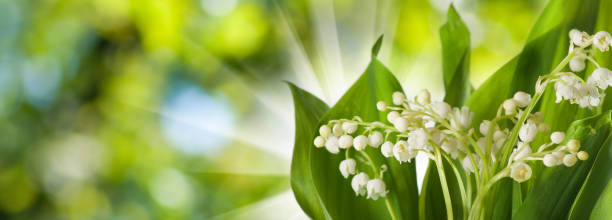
[[377, 45]]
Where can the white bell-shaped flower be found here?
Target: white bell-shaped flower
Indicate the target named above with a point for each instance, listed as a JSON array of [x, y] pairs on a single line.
[[402, 152], [387, 149], [424, 97], [319, 142], [550, 160], [360, 142], [601, 77], [523, 150], [520, 172], [332, 145], [579, 38], [484, 127], [588, 96], [441, 108], [345, 141], [381, 106], [522, 99], [528, 132], [325, 131], [566, 88], [569, 160], [463, 118], [392, 115], [417, 139], [602, 40], [401, 124], [376, 189], [450, 147], [337, 130], [349, 127], [582, 155], [347, 167], [577, 64], [467, 164], [557, 137], [509, 106], [573, 145], [375, 139], [398, 98], [359, 183]]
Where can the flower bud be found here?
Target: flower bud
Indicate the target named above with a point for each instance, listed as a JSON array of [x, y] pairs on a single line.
[[347, 167], [337, 130], [441, 108], [360, 142], [582, 155], [375, 139], [577, 64], [521, 99], [573, 145], [424, 97], [381, 106], [349, 127], [345, 141], [387, 149], [376, 188], [401, 124], [467, 164], [520, 172], [325, 131], [550, 160], [392, 115], [569, 160], [359, 183], [398, 98], [332, 145], [557, 137], [528, 132], [319, 142], [509, 106]]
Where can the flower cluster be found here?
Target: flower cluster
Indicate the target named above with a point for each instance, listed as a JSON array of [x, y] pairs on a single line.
[[570, 87], [503, 146]]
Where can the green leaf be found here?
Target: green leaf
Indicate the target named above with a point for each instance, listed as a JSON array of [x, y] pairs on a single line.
[[595, 183], [325, 184], [602, 209], [377, 45], [308, 110], [556, 187], [455, 39]]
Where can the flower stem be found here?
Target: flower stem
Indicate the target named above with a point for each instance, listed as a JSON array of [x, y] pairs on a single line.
[[445, 191]]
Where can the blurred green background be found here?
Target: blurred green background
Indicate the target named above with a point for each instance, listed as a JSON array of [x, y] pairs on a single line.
[[175, 109]]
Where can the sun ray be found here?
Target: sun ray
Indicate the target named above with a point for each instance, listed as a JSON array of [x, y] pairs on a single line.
[[281, 206]]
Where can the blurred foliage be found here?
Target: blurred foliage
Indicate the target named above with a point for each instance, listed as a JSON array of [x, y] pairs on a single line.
[[173, 109]]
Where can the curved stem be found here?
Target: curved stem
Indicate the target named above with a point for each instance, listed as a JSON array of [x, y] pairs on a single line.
[[445, 191]]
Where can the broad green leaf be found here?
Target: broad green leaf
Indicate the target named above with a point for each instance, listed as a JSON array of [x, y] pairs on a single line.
[[556, 187], [337, 199], [602, 209], [595, 184], [455, 39], [308, 110]]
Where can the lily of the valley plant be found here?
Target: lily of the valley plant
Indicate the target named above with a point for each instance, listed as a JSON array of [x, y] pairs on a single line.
[[488, 152], [542, 152]]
